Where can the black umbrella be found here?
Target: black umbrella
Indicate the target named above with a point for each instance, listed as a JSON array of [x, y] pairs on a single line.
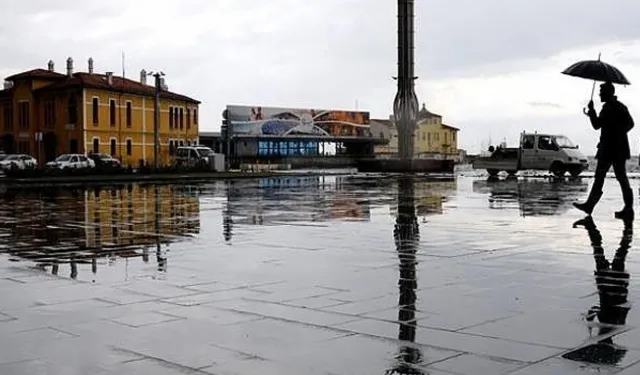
[[597, 71]]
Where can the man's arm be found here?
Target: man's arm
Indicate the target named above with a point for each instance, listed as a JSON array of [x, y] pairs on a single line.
[[595, 120], [593, 116], [629, 119]]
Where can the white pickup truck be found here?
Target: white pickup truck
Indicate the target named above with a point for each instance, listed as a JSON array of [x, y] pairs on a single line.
[[554, 153]]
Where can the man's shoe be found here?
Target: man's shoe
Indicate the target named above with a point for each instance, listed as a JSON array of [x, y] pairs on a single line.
[[625, 213], [584, 207]]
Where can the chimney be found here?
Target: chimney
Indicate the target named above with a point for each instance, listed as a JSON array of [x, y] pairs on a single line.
[[143, 77], [51, 66], [90, 62], [109, 78], [163, 84], [69, 67]]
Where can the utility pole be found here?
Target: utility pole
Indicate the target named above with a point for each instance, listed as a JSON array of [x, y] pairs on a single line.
[[156, 119]]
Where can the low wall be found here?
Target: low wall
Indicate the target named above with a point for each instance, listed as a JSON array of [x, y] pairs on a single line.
[[406, 166], [307, 162]]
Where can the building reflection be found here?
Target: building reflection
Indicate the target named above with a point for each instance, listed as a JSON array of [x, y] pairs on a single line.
[[612, 281], [57, 226], [429, 196], [291, 199], [532, 197]]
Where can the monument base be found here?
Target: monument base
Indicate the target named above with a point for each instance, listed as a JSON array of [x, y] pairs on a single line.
[[405, 166]]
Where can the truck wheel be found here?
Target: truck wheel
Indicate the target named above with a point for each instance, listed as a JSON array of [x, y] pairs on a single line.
[[492, 172], [575, 172], [557, 169]]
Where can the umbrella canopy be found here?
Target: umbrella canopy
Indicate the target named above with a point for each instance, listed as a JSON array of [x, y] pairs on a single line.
[[598, 71]]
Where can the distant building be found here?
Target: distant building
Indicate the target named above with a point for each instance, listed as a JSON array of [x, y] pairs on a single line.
[[44, 113], [433, 138]]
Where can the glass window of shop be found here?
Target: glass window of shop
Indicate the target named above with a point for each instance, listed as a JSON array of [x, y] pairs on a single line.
[[287, 148]]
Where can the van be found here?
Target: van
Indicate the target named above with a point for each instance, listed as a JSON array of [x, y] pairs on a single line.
[[190, 156]]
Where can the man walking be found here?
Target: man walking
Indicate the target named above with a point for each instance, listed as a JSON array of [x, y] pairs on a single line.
[[614, 122]]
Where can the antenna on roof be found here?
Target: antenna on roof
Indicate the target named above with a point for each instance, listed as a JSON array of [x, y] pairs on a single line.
[[123, 65]]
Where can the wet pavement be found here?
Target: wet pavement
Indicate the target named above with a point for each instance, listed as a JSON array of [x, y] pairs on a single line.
[[339, 275]]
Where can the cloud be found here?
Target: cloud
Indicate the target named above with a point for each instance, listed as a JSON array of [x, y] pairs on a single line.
[[483, 65], [545, 104]]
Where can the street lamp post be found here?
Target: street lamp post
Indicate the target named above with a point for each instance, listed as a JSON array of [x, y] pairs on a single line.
[[156, 119]]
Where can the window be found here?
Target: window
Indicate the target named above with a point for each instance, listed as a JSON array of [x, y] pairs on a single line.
[[424, 136], [181, 118], [172, 148], [544, 143], [96, 145], [453, 136], [195, 116], [73, 146], [96, 111], [129, 147], [72, 109], [175, 117], [23, 147], [23, 114], [112, 112], [112, 148], [129, 114], [170, 117], [528, 142], [8, 116], [49, 114], [188, 118]]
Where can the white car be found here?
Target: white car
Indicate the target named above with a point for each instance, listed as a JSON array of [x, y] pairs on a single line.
[[75, 161], [17, 161]]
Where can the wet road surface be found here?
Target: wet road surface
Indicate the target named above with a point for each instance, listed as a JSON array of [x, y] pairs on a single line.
[[318, 275]]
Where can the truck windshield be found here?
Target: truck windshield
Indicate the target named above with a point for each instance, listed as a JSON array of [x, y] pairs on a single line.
[[564, 142]]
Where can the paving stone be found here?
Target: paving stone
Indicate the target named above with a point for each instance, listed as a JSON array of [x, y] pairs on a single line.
[[500, 284]]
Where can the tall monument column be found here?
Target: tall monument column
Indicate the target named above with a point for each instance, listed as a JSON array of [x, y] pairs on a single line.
[[405, 110], [405, 105]]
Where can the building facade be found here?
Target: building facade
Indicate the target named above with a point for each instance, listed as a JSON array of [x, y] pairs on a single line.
[[433, 138], [273, 133], [44, 113]]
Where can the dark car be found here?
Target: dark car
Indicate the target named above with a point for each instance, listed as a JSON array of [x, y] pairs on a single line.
[[104, 160]]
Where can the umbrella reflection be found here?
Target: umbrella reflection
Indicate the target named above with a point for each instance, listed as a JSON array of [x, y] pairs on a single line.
[[406, 234], [612, 282]]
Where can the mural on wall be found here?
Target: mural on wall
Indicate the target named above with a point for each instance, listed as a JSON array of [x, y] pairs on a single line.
[[250, 120]]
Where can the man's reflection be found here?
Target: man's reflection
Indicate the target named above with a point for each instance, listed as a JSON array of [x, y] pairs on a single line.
[[407, 235], [227, 219], [612, 281]]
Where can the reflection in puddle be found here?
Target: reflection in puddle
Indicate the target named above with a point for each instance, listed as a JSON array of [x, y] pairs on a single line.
[[612, 282]]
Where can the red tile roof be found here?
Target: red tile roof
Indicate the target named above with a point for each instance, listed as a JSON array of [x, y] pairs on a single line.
[[119, 84], [37, 73]]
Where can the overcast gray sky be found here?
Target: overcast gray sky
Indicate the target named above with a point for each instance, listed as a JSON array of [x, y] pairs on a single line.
[[490, 67]]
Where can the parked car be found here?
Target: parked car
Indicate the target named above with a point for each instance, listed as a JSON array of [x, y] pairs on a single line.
[[104, 160], [17, 161], [76, 161], [193, 155]]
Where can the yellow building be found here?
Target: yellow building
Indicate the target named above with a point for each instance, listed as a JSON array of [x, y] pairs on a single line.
[[433, 139], [44, 113]]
